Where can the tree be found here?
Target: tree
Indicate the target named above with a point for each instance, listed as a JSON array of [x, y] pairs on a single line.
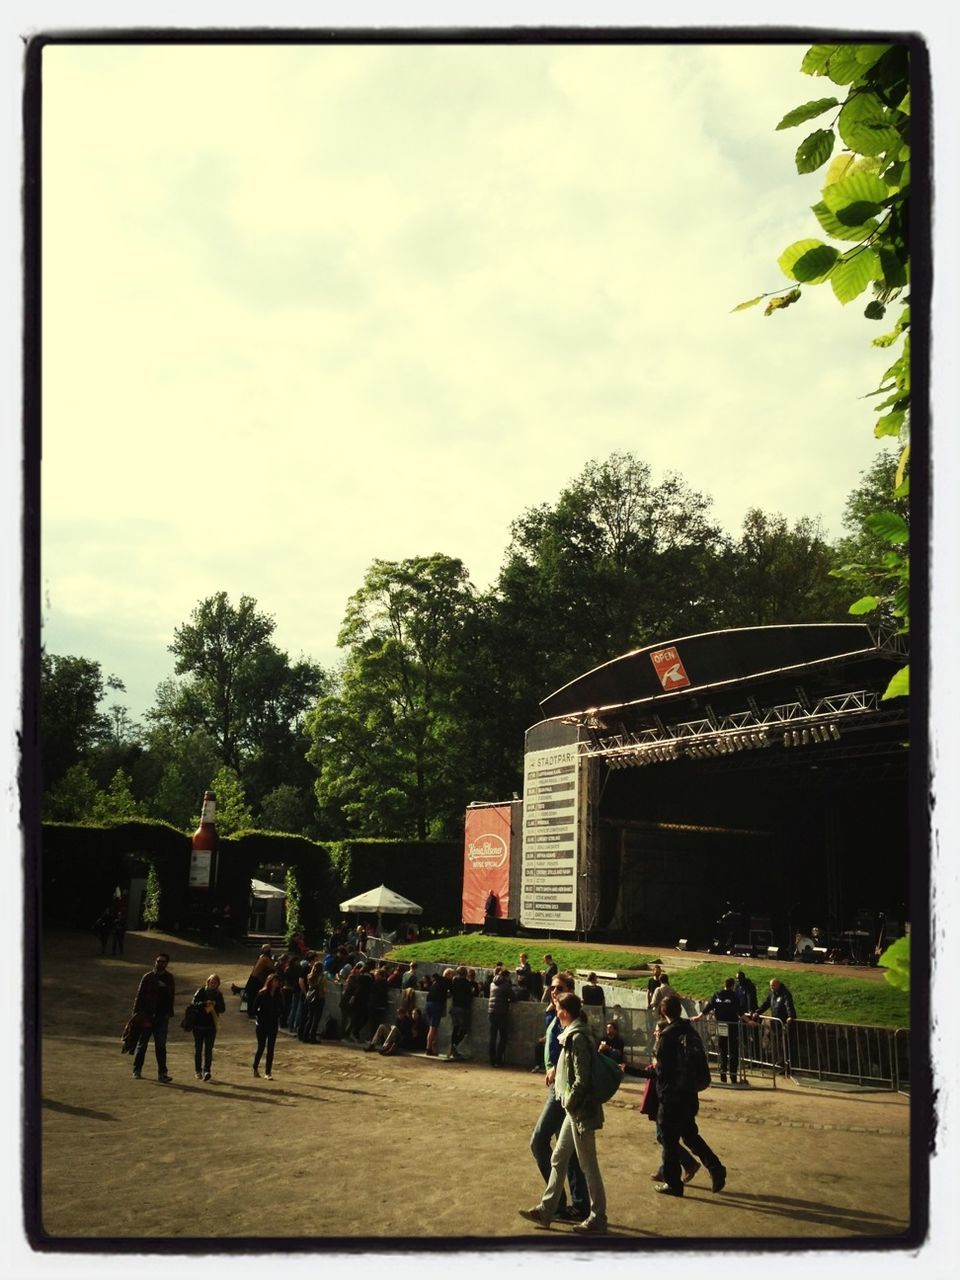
[[286, 808], [71, 722], [73, 798], [117, 802], [386, 742], [866, 206], [239, 688], [233, 812], [174, 772], [779, 574]]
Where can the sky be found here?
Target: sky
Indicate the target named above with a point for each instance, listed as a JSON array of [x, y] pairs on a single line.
[[308, 307]]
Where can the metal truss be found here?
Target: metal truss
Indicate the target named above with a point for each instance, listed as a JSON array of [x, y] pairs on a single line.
[[790, 724]]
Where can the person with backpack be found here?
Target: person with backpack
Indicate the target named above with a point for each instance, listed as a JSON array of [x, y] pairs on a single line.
[[682, 1073], [584, 1116]]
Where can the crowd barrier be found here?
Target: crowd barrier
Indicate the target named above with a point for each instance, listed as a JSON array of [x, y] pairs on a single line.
[[872, 1057]]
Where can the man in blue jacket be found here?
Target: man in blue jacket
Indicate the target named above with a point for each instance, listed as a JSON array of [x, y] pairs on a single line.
[[725, 1007], [552, 1115], [781, 1006]]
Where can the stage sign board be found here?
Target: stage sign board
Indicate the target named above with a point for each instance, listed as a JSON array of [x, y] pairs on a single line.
[[548, 884], [669, 668], [486, 860]]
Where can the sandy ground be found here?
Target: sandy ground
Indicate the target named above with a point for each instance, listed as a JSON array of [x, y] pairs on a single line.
[[401, 1148]]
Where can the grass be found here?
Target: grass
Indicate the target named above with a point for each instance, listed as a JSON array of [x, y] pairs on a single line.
[[819, 996], [479, 950]]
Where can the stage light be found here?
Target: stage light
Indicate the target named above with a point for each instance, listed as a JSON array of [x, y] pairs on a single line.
[[786, 738], [805, 738], [795, 738], [834, 733]]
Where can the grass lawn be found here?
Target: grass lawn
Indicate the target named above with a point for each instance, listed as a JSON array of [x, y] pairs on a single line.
[[819, 997], [477, 950]]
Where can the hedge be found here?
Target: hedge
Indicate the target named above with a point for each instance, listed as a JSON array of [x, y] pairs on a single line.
[[428, 872]]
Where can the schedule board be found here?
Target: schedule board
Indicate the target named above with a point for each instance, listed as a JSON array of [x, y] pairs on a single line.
[[548, 884]]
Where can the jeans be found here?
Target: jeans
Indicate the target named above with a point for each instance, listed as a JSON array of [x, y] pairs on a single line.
[[498, 1038], [548, 1126], [203, 1046], [572, 1141], [676, 1122], [460, 1022], [159, 1033], [310, 1022], [296, 1011], [266, 1039]]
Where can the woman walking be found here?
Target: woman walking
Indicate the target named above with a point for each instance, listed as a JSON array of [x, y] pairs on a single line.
[[268, 1011], [258, 975], [210, 1005], [583, 1117]]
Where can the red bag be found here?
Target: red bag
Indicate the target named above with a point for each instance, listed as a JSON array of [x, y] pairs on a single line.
[[650, 1103]]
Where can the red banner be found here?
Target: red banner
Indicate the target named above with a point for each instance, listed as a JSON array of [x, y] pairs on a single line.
[[486, 861]]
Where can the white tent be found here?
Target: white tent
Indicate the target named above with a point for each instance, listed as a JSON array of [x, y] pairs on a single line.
[[260, 889], [381, 902]]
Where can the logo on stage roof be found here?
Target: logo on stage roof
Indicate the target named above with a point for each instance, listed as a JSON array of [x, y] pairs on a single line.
[[669, 668], [487, 852]]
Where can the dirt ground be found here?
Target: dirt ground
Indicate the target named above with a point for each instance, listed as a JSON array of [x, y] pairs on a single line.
[[401, 1148]]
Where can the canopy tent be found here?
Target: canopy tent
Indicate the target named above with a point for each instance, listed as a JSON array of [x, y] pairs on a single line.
[[381, 902], [260, 889]]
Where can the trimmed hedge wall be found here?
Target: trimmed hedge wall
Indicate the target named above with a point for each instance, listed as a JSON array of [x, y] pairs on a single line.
[[81, 864]]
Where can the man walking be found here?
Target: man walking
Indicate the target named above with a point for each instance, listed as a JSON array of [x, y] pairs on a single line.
[[552, 1114], [152, 1007], [678, 1102]]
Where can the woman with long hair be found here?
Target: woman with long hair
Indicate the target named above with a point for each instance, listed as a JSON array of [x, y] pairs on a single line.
[[313, 1001], [268, 1012], [258, 975], [210, 1006]]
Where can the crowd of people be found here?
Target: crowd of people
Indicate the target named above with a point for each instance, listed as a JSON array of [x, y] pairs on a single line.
[[293, 991]]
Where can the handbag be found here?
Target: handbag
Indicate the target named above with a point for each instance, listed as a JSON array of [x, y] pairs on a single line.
[[650, 1102], [191, 1017]]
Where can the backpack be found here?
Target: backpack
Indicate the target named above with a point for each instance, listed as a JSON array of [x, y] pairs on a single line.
[[605, 1077], [693, 1070]]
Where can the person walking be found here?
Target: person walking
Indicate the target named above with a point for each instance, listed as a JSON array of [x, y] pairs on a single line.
[[583, 1117], [268, 1011], [679, 1102], [152, 1007], [550, 1120], [263, 966], [210, 1008]]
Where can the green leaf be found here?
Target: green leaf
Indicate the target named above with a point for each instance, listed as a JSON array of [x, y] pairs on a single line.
[[853, 273], [816, 58], [742, 306], [834, 227], [899, 686], [894, 271], [809, 261], [901, 601], [890, 425], [865, 125], [807, 112], [866, 604], [889, 526], [842, 66], [902, 464], [815, 150], [869, 54], [875, 310], [858, 188]]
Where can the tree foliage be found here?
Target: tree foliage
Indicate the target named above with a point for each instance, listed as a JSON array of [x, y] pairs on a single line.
[[383, 740], [71, 721], [865, 207]]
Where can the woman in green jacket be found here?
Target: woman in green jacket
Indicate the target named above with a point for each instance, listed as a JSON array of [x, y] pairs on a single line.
[[584, 1116]]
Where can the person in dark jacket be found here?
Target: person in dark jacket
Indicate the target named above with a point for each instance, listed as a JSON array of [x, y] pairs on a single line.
[[498, 1010], [152, 1006], [268, 1010], [461, 1008], [747, 992], [436, 1008], [678, 1106], [210, 1007], [781, 1006], [725, 1007], [591, 992]]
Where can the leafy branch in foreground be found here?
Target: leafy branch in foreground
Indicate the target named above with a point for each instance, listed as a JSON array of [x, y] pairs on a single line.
[[865, 205]]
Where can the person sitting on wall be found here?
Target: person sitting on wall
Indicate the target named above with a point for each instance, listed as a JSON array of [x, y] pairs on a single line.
[[591, 991], [613, 1044]]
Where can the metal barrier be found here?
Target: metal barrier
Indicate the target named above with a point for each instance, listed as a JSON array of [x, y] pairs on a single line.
[[901, 1059], [838, 1051], [758, 1051]]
